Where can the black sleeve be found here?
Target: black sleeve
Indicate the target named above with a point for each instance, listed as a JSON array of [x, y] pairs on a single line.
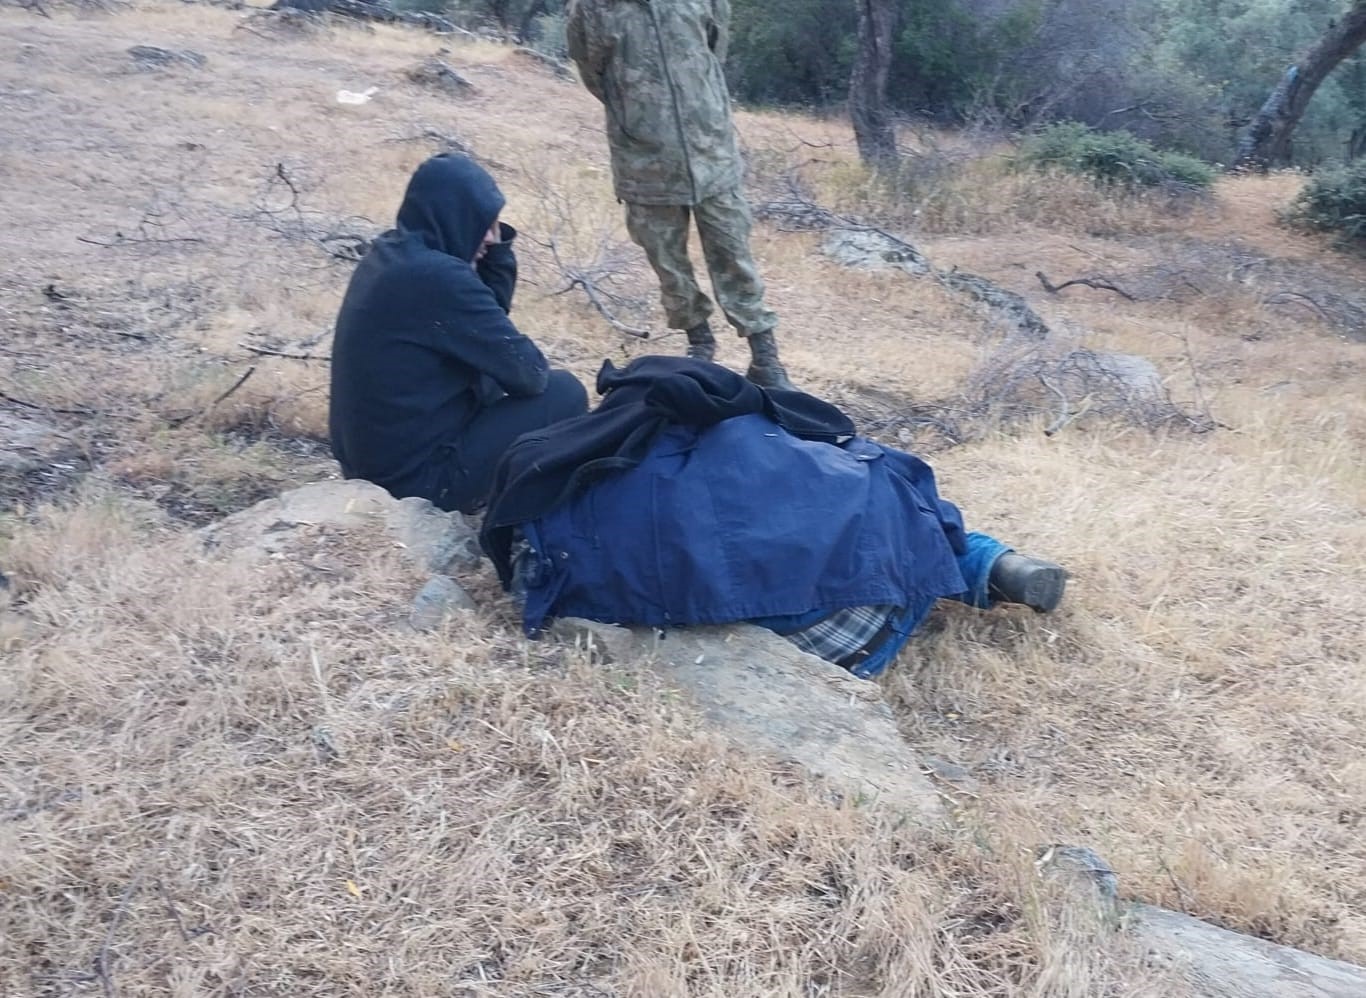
[[498, 269], [473, 329]]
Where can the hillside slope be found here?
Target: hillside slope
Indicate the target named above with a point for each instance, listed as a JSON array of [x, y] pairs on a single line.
[[487, 816]]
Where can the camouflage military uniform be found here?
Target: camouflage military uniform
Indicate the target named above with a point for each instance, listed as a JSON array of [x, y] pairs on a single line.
[[656, 66]]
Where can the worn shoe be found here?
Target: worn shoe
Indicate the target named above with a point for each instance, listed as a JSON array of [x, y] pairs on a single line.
[[765, 370], [1033, 582], [701, 342]]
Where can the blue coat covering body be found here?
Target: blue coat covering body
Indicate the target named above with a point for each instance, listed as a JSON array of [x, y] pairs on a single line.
[[742, 520]]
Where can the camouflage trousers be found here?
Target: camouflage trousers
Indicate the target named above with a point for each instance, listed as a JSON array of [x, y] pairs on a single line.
[[723, 225]]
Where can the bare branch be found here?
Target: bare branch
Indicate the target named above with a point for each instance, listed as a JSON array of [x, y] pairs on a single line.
[[182, 420], [1297, 298], [266, 352], [1098, 283], [608, 263], [23, 403], [284, 214]]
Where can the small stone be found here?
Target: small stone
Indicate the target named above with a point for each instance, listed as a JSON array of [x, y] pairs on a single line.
[[154, 57], [325, 743], [436, 601], [1085, 872], [434, 73], [951, 773], [446, 540], [16, 630]]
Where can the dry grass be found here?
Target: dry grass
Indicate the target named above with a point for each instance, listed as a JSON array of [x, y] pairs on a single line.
[[190, 805], [295, 795]]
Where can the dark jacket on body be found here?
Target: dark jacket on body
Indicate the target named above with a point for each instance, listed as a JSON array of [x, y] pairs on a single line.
[[423, 338]]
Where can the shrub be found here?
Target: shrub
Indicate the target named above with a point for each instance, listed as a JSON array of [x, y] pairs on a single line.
[[1112, 158], [1334, 200]]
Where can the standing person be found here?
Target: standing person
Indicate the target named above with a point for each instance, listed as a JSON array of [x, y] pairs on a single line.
[[431, 381], [656, 66]]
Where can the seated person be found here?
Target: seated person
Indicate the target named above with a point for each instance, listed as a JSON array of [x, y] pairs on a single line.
[[691, 496], [431, 381]]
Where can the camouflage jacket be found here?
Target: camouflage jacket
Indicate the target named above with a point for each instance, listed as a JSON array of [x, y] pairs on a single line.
[[656, 66]]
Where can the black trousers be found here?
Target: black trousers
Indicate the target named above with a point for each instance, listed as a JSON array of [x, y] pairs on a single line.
[[465, 479]]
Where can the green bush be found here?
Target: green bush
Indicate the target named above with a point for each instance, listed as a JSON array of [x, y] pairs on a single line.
[[1334, 200], [1112, 158]]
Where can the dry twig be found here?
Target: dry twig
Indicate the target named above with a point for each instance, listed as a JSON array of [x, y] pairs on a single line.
[[267, 352], [1098, 283], [607, 265], [340, 240], [103, 968], [38, 407], [182, 420]]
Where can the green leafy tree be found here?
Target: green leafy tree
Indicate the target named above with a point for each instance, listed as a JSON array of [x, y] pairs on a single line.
[[796, 53]]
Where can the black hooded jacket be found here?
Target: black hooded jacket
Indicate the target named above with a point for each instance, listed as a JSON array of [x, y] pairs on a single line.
[[423, 338]]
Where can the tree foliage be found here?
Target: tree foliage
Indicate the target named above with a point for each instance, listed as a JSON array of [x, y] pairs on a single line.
[[1184, 74], [1116, 159], [1334, 200]]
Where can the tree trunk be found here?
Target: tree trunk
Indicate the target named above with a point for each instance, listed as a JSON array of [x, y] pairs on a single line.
[[1267, 141], [868, 84]]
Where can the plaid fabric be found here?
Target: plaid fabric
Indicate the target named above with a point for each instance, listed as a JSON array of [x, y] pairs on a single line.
[[847, 637]]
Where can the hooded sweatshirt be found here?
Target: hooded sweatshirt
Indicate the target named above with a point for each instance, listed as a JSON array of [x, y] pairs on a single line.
[[423, 339]]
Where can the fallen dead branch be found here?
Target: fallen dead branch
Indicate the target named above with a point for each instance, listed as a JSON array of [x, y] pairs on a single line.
[[590, 281], [1298, 298], [279, 207], [447, 143], [608, 264], [1023, 380], [1097, 283], [286, 354], [182, 420], [38, 407], [556, 66]]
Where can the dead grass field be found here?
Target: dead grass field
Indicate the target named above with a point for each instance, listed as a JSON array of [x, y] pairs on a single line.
[[224, 781]]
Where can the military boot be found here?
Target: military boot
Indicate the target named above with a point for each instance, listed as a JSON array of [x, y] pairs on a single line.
[[1017, 578], [765, 370], [701, 342]]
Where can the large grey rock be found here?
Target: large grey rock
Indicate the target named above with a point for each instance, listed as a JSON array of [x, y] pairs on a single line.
[[765, 694], [1008, 306], [1223, 964], [873, 249], [434, 540], [1215, 962]]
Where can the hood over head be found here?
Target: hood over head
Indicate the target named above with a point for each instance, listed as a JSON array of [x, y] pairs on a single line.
[[451, 201]]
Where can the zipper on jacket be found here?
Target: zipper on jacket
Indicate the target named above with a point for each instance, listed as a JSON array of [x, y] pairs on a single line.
[[673, 99]]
